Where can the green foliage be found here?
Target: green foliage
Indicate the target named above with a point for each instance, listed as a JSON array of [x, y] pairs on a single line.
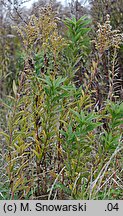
[[78, 45], [55, 143], [77, 33]]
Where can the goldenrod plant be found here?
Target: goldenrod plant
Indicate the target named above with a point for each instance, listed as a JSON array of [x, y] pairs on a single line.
[[56, 142]]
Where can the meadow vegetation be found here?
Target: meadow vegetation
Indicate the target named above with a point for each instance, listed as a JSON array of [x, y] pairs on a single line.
[[61, 133]]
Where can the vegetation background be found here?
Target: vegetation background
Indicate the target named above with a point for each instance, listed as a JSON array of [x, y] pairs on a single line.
[[61, 89]]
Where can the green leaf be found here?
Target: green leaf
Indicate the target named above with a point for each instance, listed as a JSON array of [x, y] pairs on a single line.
[[38, 155], [63, 187], [7, 137]]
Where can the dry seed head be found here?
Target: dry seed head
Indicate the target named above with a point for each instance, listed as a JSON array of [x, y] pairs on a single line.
[[108, 17], [106, 37]]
